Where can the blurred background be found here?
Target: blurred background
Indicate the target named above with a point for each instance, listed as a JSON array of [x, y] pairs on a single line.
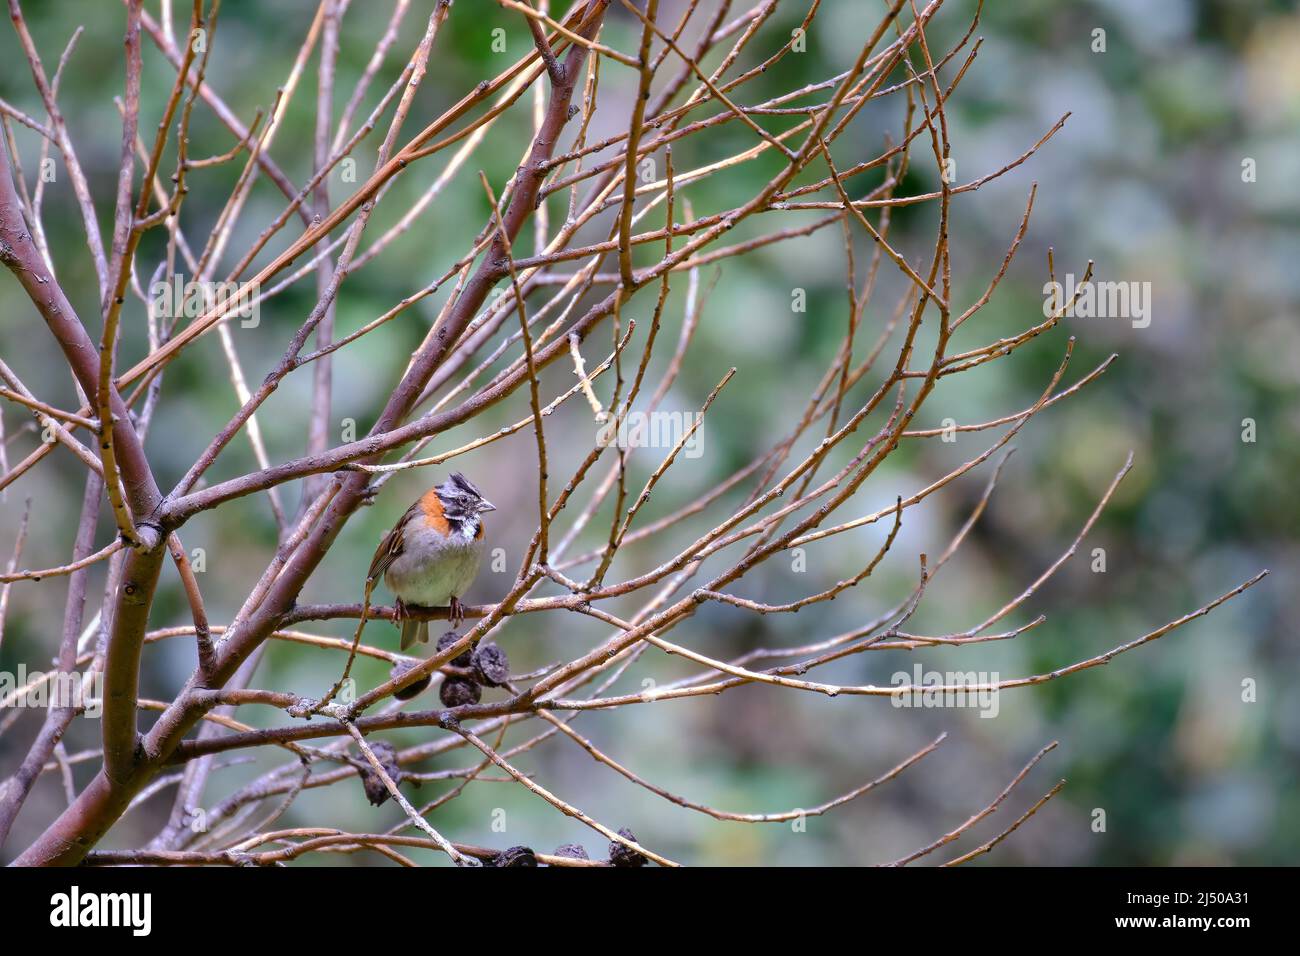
[[1177, 167]]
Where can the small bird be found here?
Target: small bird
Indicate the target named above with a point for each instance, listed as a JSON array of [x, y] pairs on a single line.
[[432, 554]]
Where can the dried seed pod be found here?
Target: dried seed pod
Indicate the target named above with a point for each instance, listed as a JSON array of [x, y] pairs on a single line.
[[460, 660], [410, 690], [621, 855], [491, 664], [515, 856], [376, 790], [573, 851], [456, 691]]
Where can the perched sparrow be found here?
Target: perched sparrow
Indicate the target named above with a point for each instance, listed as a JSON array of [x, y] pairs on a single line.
[[432, 554]]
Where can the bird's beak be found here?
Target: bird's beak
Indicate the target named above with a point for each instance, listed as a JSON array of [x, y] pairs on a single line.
[[485, 505]]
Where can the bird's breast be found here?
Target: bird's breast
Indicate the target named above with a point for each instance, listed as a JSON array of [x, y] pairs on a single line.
[[433, 567]]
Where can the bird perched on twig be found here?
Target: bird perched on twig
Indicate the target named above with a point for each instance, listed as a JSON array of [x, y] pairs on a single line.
[[433, 553]]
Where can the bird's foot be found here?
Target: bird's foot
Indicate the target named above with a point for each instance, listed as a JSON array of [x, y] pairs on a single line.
[[457, 612], [400, 613]]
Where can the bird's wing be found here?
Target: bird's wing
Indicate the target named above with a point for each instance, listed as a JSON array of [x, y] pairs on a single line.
[[392, 546]]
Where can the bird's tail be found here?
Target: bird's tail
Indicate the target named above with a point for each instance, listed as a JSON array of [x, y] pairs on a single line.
[[413, 631]]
